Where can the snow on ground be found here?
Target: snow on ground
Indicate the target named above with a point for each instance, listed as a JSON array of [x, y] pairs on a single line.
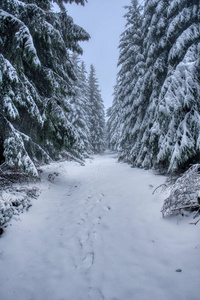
[[96, 232]]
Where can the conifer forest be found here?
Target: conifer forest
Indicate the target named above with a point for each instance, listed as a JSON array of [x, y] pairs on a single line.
[[97, 201], [50, 105], [154, 119]]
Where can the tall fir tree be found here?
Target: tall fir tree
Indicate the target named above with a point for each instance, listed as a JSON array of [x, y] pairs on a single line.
[[154, 27], [161, 117], [36, 76], [170, 138], [178, 114], [80, 109], [131, 63], [97, 114], [114, 123]]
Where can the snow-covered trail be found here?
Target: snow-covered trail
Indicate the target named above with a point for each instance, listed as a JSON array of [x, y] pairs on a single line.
[[97, 233]]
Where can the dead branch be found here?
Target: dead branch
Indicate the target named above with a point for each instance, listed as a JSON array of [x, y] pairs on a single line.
[[159, 187], [192, 207], [197, 213], [195, 223], [184, 193]]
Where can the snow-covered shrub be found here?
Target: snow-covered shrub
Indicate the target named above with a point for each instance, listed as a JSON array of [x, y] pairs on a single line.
[[14, 200], [184, 194], [16, 192]]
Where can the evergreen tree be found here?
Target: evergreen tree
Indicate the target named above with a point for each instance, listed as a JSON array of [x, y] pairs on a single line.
[[131, 63], [170, 139], [179, 100], [80, 109], [160, 120], [36, 76], [85, 94], [114, 123], [154, 26], [97, 117], [124, 120]]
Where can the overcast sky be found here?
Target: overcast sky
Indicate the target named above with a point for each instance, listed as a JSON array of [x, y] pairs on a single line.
[[103, 20]]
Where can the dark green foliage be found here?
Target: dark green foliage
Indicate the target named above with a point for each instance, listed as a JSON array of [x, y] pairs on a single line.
[[62, 7], [36, 81], [158, 85]]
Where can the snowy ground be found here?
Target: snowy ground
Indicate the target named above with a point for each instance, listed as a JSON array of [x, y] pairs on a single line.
[[96, 232]]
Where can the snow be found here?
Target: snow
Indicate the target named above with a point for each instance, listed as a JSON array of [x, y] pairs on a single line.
[[96, 232], [23, 37]]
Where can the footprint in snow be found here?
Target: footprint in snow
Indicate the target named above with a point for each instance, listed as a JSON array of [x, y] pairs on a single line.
[[97, 220], [88, 261], [108, 207], [85, 237], [81, 221]]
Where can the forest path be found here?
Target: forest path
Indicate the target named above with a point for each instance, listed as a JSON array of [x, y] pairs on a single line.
[[96, 232]]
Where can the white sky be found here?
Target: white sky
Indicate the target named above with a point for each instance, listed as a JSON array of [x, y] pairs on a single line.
[[103, 20]]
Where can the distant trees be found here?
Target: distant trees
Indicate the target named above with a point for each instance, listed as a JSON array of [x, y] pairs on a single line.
[[40, 98], [114, 123], [158, 85], [97, 118], [80, 117]]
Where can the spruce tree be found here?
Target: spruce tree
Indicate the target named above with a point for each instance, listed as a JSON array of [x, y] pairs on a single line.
[[36, 76], [170, 139], [131, 63], [114, 122], [154, 26], [80, 109], [97, 115], [179, 100], [160, 104]]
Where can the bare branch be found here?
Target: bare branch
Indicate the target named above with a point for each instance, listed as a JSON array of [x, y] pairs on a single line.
[[159, 187], [184, 193]]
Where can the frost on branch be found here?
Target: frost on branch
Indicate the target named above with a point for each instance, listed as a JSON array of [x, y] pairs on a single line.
[[14, 200], [20, 151], [158, 87], [184, 193], [36, 82], [20, 40]]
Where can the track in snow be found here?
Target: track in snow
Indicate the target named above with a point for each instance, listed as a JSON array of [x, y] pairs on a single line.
[[97, 233]]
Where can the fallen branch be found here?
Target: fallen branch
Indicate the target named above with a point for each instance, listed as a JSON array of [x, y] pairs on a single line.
[[195, 223], [163, 184], [196, 213], [192, 207], [184, 193]]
